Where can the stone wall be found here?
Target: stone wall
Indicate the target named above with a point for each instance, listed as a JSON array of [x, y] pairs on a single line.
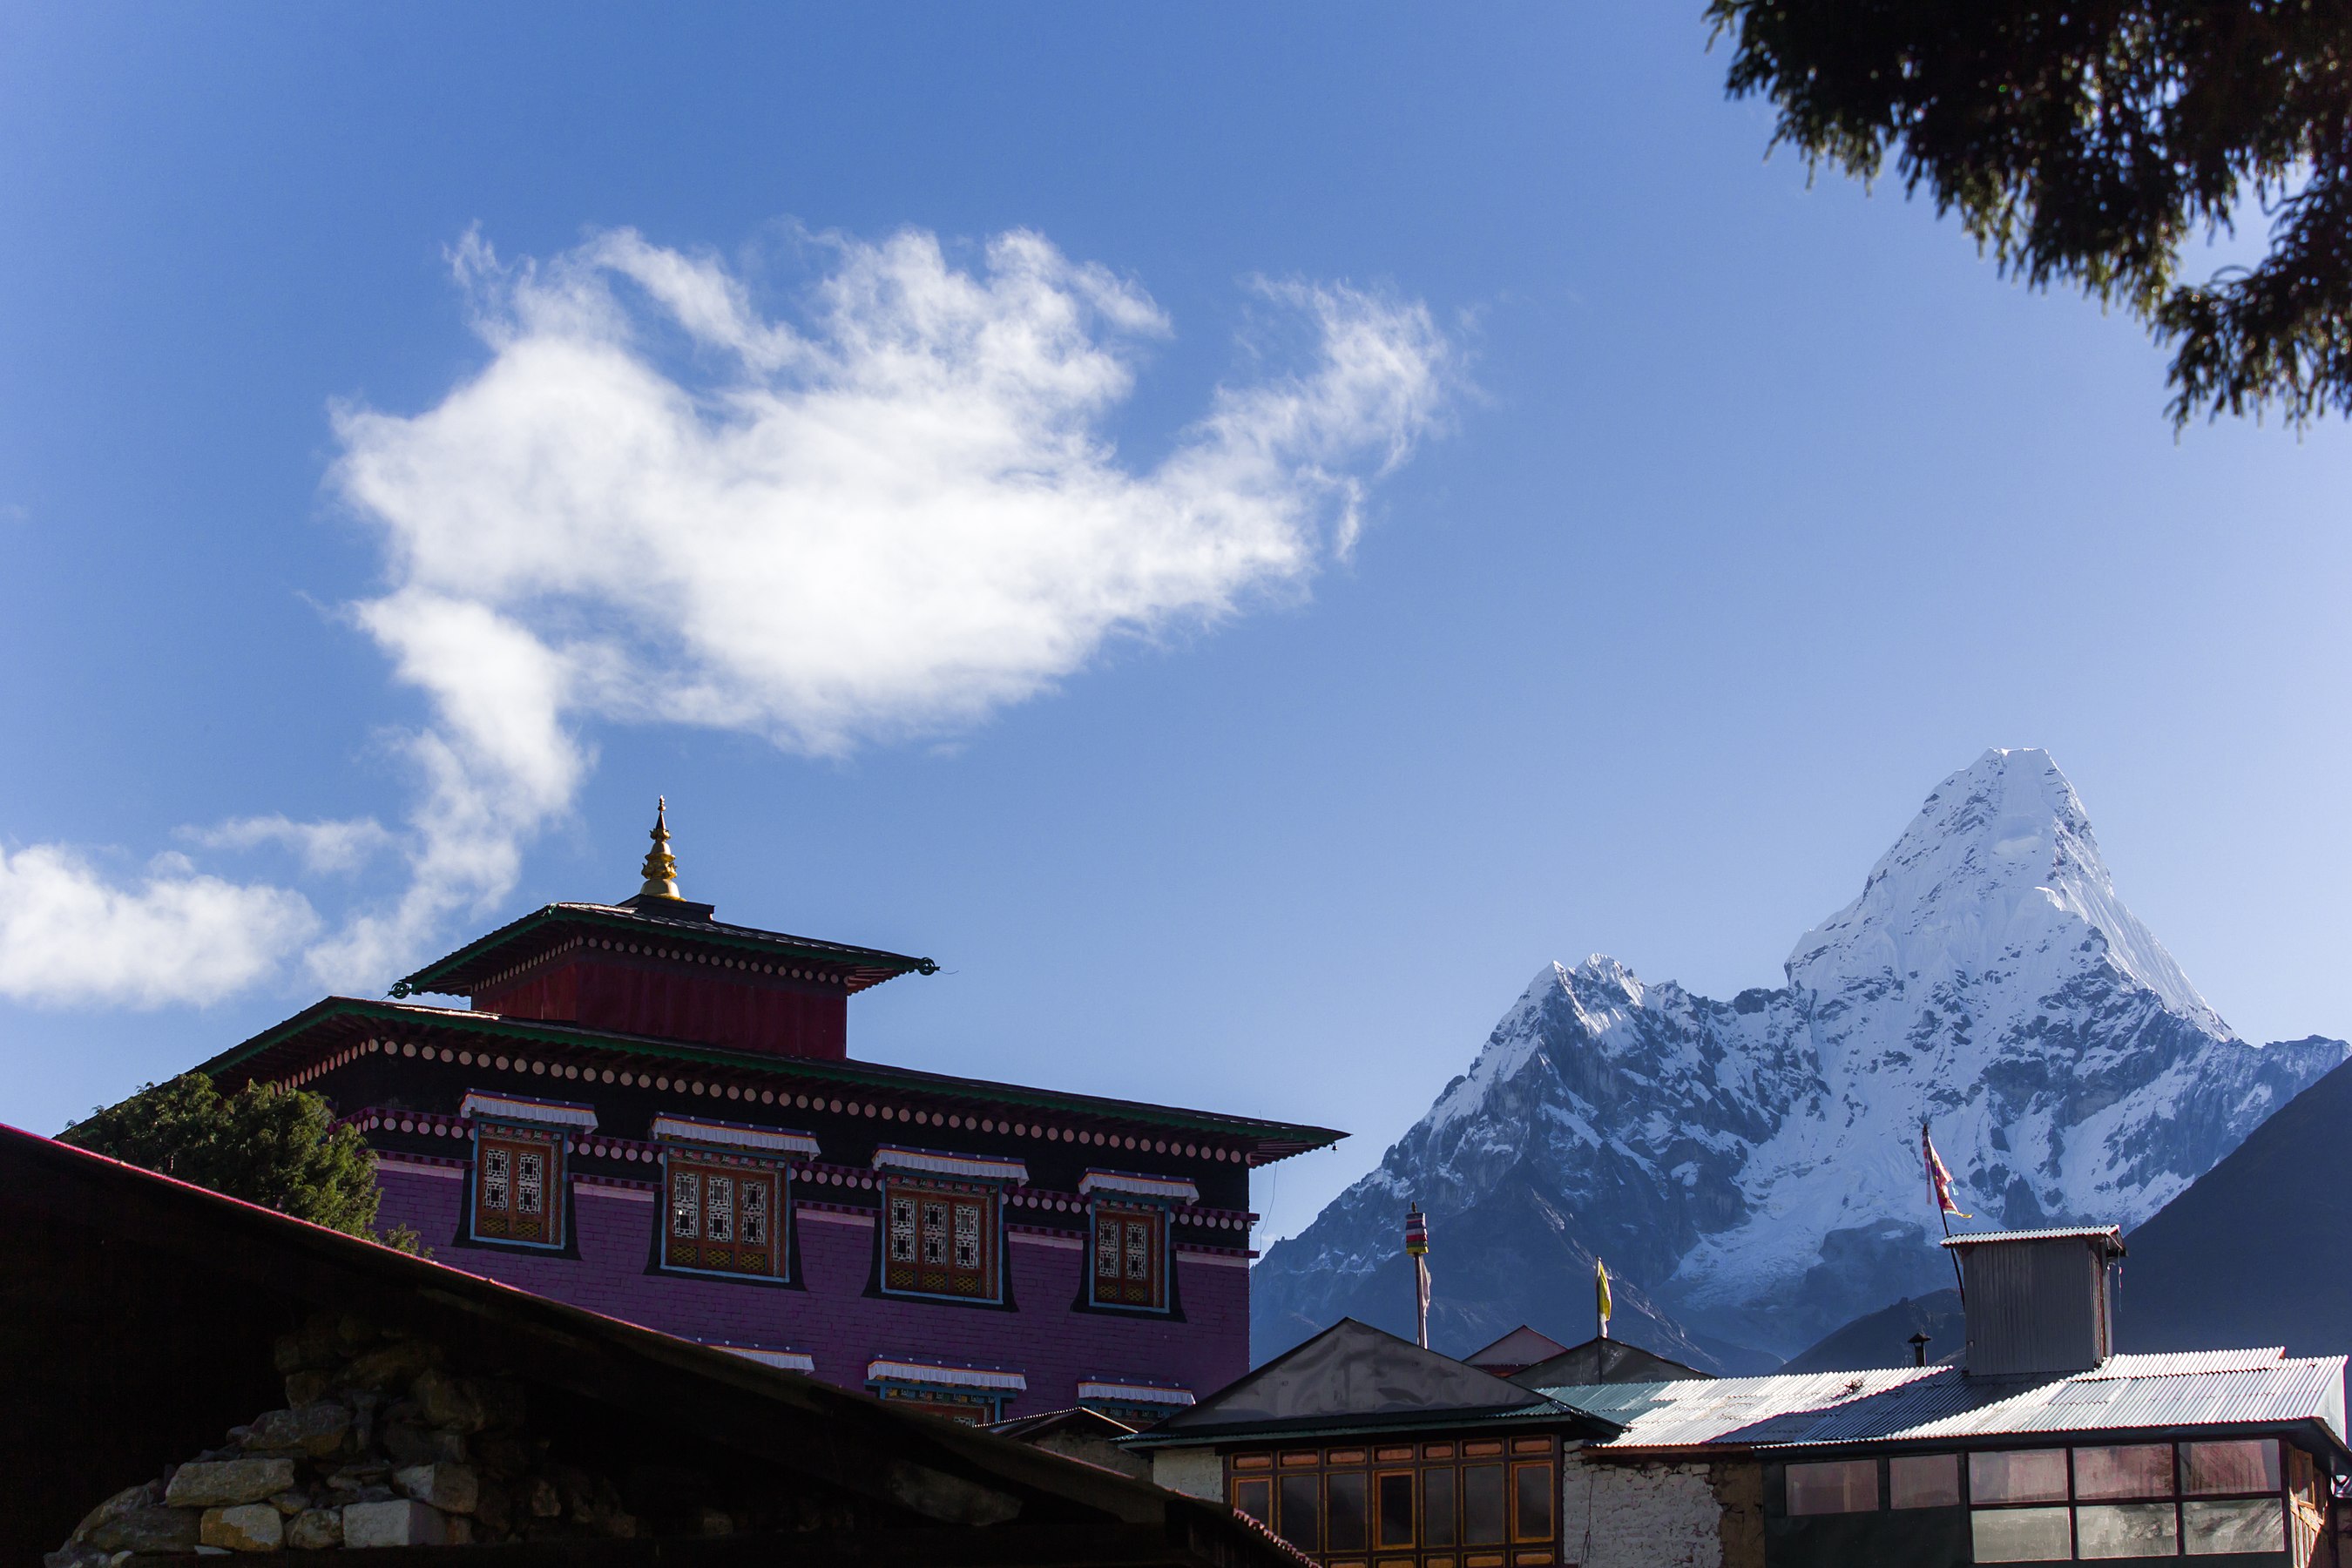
[[1635, 1515], [830, 1316], [383, 1442]]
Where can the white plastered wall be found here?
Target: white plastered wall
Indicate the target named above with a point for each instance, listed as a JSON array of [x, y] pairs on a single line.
[[1640, 1516]]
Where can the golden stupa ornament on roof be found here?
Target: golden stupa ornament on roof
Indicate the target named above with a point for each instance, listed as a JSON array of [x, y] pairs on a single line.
[[661, 865]]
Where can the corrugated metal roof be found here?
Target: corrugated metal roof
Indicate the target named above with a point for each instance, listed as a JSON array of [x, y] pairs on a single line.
[[2206, 1388], [2075, 1233], [2180, 1364]]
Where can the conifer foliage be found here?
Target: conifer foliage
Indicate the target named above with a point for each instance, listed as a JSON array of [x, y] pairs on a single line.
[[276, 1147], [2085, 141]]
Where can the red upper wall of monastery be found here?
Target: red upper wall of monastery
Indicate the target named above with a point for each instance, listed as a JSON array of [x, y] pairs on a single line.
[[675, 1002]]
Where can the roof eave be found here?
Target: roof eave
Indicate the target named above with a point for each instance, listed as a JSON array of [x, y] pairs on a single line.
[[446, 975], [1273, 1141]]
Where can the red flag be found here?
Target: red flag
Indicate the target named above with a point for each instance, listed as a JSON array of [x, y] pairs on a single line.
[[1939, 1180]]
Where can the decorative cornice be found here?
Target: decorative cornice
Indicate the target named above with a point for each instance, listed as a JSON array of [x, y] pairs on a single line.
[[1134, 1394], [1131, 1184], [479, 1105], [939, 1163], [930, 1373], [733, 1135]]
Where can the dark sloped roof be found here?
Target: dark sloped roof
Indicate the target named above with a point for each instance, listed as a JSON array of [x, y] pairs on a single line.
[[1604, 1361], [156, 1302], [1353, 1377], [521, 940], [1521, 1347]]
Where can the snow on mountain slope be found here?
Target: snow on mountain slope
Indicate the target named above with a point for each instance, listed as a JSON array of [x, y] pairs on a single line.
[[1751, 1166]]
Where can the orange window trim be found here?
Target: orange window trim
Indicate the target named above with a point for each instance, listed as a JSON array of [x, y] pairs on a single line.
[[722, 1216], [519, 1185], [940, 1239]]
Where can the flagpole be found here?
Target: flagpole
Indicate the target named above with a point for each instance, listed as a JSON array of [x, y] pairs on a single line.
[[1943, 1213], [1416, 1247]]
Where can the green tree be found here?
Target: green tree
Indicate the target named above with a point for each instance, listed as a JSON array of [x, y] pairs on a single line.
[[2085, 141], [276, 1147]]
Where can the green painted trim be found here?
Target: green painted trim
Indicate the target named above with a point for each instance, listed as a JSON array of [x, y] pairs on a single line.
[[902, 1080]]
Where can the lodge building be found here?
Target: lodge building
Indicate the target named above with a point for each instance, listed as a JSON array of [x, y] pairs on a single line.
[[650, 1112], [2040, 1446]]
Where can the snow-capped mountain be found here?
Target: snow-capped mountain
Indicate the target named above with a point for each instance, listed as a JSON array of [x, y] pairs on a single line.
[[1751, 1167]]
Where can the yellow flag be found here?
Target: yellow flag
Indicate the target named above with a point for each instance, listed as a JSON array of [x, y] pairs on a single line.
[[1601, 1293]]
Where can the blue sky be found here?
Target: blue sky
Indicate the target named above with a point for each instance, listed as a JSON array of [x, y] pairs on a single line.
[[1424, 497]]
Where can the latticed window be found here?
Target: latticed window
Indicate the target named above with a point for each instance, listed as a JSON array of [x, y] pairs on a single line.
[[1130, 1258], [721, 1215], [519, 1185], [942, 1242]]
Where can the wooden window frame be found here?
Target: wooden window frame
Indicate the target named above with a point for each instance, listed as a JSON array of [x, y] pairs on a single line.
[[917, 1277], [496, 1187], [1129, 1217], [1419, 1462], [771, 1263]]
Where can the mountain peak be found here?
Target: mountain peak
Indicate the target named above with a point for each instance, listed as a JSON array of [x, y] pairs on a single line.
[[1753, 1164], [1997, 878]]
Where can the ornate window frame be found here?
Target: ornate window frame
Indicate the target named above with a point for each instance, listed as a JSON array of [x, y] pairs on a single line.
[[939, 1234], [521, 1165], [1132, 1402], [750, 1166], [1131, 1249]]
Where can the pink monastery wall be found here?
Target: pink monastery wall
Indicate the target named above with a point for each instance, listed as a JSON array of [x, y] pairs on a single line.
[[833, 1319]]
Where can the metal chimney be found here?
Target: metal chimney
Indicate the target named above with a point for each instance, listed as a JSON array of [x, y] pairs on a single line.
[[2038, 1300]]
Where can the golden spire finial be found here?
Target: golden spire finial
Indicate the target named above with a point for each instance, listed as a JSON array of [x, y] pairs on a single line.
[[661, 865]]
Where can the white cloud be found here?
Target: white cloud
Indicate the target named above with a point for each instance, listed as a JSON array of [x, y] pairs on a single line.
[[881, 519], [883, 522], [324, 848], [69, 936]]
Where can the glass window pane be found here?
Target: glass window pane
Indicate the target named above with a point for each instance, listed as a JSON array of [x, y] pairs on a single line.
[[1532, 1484], [2022, 1475], [1924, 1481], [2255, 1524], [1843, 1486], [2020, 1534], [2138, 1469], [2209, 1468], [1437, 1521], [1482, 1504], [1302, 1512], [1255, 1498], [1396, 1508], [1347, 1491], [2128, 1529]]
